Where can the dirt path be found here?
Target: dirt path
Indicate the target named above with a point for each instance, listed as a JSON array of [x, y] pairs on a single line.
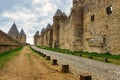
[[28, 66]]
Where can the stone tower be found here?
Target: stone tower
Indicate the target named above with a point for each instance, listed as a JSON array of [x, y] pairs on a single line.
[[75, 3], [77, 19], [92, 26], [13, 32], [22, 36], [49, 35], [42, 37], [36, 36], [56, 26]]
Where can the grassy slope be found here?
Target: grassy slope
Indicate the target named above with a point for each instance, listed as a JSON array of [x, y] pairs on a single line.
[[5, 56], [95, 56]]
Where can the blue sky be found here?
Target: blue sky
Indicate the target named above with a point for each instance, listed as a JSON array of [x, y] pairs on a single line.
[[31, 15]]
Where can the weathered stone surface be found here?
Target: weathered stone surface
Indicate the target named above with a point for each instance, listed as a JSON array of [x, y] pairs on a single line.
[[54, 62], [7, 42], [85, 77], [92, 26], [48, 58], [65, 68], [14, 33]]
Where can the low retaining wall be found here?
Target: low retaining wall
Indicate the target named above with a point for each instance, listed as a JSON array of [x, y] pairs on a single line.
[[4, 48], [6, 39], [8, 43]]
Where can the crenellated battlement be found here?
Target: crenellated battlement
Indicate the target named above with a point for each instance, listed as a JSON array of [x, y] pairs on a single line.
[[92, 26]]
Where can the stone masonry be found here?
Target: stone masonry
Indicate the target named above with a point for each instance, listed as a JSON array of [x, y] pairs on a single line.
[[12, 40], [7, 42], [14, 33], [92, 26]]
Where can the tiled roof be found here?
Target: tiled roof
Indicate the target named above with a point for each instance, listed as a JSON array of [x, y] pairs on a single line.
[[58, 12], [43, 30], [13, 30], [37, 33], [48, 26], [64, 14], [22, 32]]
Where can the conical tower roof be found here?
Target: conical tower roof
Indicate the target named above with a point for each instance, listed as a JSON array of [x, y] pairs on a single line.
[[22, 32], [13, 30], [64, 14], [43, 30], [48, 26], [37, 33], [58, 12]]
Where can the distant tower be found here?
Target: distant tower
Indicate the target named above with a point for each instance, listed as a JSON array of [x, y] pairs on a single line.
[[49, 35], [36, 36], [22, 36], [56, 19], [48, 26], [13, 32], [42, 37]]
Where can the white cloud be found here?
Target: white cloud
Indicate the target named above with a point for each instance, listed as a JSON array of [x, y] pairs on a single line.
[[35, 17], [40, 1], [20, 15], [46, 10]]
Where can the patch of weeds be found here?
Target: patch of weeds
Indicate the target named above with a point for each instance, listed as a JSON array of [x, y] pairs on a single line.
[[6, 56]]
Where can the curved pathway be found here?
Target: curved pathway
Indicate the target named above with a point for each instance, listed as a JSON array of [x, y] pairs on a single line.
[[79, 65]]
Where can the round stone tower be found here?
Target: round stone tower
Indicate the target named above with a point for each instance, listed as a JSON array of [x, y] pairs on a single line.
[[56, 20]]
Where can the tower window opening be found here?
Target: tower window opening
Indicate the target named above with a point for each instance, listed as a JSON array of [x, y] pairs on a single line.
[[109, 10], [92, 17]]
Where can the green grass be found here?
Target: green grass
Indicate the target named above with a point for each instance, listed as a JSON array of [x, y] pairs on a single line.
[[34, 52], [115, 57], [95, 56], [6, 56], [56, 49]]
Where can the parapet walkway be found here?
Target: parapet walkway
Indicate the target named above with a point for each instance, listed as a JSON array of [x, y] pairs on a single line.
[[79, 65]]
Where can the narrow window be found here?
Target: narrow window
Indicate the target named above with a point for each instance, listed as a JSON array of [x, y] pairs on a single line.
[[109, 10], [92, 17], [17, 37], [55, 18]]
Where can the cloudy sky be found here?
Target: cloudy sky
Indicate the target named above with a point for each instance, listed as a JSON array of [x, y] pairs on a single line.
[[31, 15]]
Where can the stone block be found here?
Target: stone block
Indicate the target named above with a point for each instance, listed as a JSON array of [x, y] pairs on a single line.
[[54, 62], [65, 68], [85, 77]]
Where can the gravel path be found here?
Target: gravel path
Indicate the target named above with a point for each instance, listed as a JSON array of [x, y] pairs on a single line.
[[79, 65]]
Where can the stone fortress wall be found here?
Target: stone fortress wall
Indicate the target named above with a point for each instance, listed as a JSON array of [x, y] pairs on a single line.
[[7, 42], [102, 34], [13, 39], [92, 26]]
